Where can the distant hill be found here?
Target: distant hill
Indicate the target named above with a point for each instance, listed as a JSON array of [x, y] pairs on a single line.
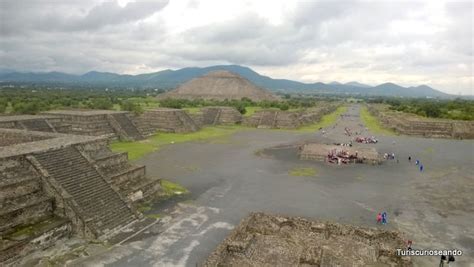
[[168, 79]]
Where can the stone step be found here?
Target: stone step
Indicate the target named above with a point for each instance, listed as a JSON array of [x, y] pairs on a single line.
[[82, 181], [28, 210]]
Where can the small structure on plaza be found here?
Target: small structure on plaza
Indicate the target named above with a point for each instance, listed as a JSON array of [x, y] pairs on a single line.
[[266, 240], [219, 85], [339, 154]]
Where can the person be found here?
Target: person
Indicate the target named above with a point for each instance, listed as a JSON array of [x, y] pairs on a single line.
[[442, 261], [409, 243], [451, 259], [421, 167], [384, 217], [409, 158], [379, 218], [417, 162]]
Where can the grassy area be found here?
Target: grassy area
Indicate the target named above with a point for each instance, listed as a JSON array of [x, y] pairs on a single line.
[[251, 110], [171, 189], [303, 171], [373, 123], [326, 120], [139, 149], [193, 110]]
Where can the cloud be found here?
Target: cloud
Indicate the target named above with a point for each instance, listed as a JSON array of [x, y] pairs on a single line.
[[404, 42]]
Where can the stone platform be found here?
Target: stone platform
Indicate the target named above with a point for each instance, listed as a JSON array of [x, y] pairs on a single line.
[[115, 124], [267, 240], [409, 124], [53, 185], [320, 152]]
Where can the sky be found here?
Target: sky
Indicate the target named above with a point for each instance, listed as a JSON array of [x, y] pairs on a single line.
[[405, 42]]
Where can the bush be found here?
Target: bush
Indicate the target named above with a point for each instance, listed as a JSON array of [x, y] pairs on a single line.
[[241, 109], [131, 106], [3, 105], [100, 103], [284, 106]]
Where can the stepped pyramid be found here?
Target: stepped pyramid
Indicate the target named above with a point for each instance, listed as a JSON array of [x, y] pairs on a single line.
[[219, 85]]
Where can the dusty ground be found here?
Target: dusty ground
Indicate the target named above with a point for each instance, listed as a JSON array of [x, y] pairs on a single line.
[[229, 179]]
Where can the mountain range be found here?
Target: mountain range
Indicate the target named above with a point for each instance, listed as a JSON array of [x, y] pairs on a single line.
[[168, 79]]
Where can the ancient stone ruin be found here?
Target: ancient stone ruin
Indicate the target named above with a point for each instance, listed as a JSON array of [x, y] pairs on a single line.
[[42, 123], [53, 185], [219, 85], [339, 154], [164, 120], [266, 240], [414, 125], [277, 119], [115, 124], [217, 116]]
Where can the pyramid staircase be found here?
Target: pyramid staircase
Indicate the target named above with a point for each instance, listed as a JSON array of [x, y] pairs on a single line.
[[127, 126], [101, 207]]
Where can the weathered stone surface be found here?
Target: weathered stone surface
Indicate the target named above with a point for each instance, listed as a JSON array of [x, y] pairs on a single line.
[[266, 240], [164, 120], [115, 124]]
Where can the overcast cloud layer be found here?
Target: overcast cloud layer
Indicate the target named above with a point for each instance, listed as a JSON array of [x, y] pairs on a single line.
[[409, 43]]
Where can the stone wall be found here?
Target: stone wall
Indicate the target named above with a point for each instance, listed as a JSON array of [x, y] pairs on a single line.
[[13, 138], [26, 210], [40, 123]]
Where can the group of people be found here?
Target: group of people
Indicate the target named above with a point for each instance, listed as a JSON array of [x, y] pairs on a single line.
[[382, 218], [417, 163]]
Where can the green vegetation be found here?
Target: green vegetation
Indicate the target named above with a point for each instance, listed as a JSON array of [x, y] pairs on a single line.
[[154, 216], [32, 100], [194, 110], [303, 171], [138, 149], [326, 120], [244, 106], [373, 123], [457, 109], [170, 189]]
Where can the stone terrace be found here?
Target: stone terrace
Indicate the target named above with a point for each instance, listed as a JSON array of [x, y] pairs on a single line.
[[165, 120], [217, 116], [273, 118], [409, 124], [41, 123], [115, 124]]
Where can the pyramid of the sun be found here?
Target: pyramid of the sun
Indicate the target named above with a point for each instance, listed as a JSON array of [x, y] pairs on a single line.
[[219, 85]]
